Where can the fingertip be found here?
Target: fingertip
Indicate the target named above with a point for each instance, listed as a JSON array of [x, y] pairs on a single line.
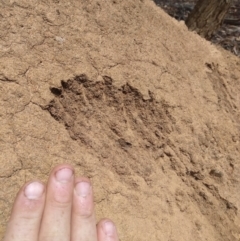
[[31, 194], [83, 215], [34, 190], [83, 206], [107, 230], [26, 212]]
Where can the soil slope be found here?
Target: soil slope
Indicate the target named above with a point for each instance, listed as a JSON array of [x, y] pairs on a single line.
[[149, 111]]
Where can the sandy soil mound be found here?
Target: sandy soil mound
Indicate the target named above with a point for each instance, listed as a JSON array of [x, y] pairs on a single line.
[[149, 111]]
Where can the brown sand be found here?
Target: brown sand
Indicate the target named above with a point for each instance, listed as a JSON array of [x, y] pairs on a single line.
[[149, 111]]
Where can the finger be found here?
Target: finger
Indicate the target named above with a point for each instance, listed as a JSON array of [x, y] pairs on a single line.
[[83, 218], [25, 220], [106, 231], [57, 213]]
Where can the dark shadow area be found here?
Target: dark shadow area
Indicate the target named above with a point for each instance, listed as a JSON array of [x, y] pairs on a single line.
[[228, 36]]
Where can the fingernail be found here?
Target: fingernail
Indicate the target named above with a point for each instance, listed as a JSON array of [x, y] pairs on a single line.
[[82, 188], [109, 228], [64, 175], [34, 190]]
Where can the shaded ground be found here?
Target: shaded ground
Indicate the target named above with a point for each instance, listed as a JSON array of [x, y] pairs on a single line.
[[228, 36], [133, 100]]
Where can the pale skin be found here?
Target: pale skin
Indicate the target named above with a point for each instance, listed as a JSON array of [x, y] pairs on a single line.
[[62, 210]]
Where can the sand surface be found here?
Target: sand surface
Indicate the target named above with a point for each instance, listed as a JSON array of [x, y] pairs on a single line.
[[132, 99]]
